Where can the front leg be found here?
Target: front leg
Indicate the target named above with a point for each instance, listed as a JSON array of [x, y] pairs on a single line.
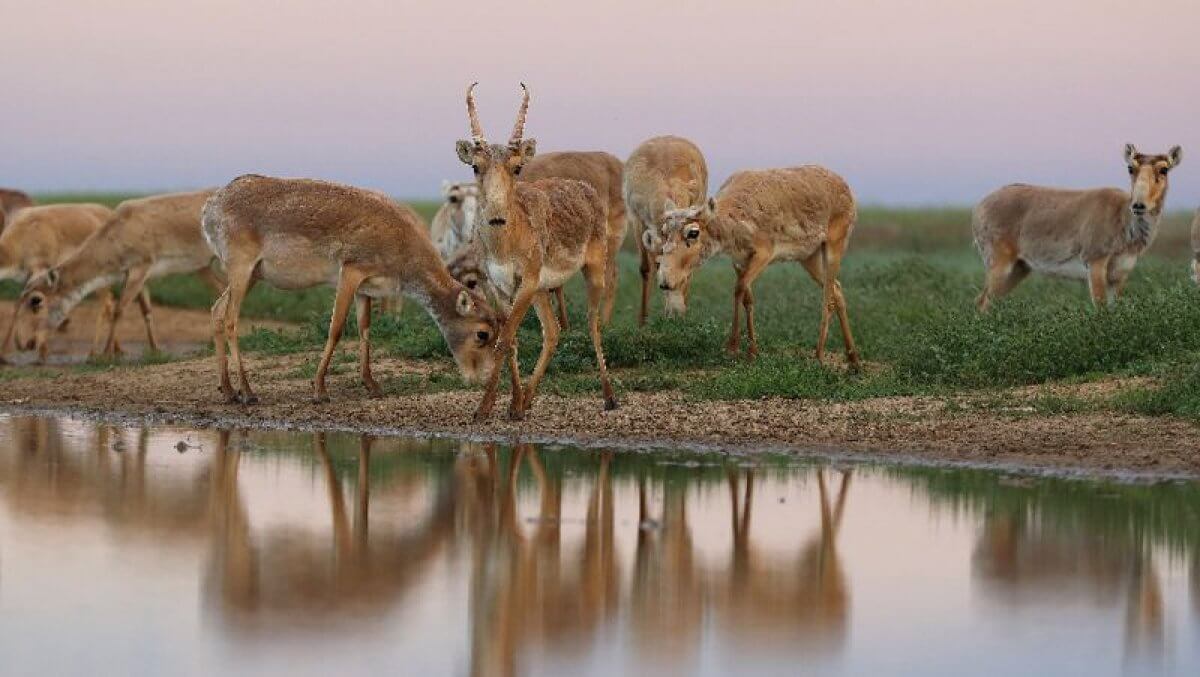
[[1098, 281], [506, 342]]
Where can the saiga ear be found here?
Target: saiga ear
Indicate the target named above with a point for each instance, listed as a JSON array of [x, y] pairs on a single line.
[[52, 278], [527, 149], [466, 151], [1130, 154], [648, 239], [464, 304], [1176, 155]]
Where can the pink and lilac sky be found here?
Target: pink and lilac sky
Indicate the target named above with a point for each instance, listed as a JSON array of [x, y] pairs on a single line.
[[914, 102]]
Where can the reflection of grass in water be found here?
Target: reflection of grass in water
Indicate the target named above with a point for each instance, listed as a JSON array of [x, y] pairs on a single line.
[[1127, 515]]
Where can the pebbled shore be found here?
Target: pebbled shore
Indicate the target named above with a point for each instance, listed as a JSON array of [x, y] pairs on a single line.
[[917, 429]]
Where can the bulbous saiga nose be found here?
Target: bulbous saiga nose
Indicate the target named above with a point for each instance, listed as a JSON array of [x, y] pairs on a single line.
[[1138, 207]]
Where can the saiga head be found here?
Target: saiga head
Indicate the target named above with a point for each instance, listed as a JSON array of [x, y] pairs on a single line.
[[44, 305], [681, 244], [471, 334], [496, 167], [1148, 179]]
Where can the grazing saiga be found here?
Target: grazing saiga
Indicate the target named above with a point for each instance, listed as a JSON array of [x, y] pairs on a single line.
[[40, 237], [300, 233], [663, 174], [1095, 235], [146, 239], [532, 238], [803, 214]]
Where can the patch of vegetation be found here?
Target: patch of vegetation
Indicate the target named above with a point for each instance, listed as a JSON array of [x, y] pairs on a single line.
[[1178, 395], [910, 278]]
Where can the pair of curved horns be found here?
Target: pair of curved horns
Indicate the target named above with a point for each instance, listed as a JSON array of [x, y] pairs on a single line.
[[518, 132]]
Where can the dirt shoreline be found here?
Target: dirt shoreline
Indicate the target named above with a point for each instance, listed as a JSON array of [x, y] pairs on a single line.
[[902, 429]]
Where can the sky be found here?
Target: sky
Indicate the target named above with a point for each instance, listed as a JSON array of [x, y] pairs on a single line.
[[915, 103]]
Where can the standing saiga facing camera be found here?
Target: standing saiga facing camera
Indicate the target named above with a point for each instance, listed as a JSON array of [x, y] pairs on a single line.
[[300, 233], [532, 237], [1095, 235], [758, 217]]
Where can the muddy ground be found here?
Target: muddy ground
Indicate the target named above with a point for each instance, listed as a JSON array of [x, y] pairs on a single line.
[[960, 429]]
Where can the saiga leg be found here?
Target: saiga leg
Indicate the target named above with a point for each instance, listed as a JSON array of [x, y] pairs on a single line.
[[362, 308], [348, 283], [135, 280], [647, 268], [757, 264], [505, 344], [1098, 281], [241, 280], [593, 275], [147, 318], [562, 309], [550, 331], [219, 343]]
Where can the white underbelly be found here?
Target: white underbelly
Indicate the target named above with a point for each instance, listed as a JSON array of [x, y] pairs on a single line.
[[1071, 268], [552, 278], [173, 266]]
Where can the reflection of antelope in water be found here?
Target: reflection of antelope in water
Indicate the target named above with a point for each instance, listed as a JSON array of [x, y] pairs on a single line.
[[105, 479], [1020, 564], [521, 594], [264, 581], [801, 598], [667, 599]]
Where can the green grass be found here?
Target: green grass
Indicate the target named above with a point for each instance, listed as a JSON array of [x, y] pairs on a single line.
[[910, 278]]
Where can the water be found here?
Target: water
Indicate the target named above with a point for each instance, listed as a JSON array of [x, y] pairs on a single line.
[[123, 551]]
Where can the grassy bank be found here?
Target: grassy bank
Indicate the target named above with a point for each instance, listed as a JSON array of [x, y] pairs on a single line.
[[910, 279]]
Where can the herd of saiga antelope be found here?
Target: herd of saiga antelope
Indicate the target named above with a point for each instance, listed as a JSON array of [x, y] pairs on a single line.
[[519, 232]]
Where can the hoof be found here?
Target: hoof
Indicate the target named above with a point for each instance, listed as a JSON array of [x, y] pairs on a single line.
[[610, 404], [320, 399], [480, 416], [516, 415]]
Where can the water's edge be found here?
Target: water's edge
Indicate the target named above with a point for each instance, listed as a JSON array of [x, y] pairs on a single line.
[[824, 453]]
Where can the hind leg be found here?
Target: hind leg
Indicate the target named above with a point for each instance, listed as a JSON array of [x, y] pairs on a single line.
[[362, 308], [562, 309], [348, 283], [593, 275], [1005, 271], [550, 332], [616, 229]]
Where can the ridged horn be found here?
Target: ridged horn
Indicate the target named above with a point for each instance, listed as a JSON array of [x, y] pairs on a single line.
[[476, 128], [519, 128]]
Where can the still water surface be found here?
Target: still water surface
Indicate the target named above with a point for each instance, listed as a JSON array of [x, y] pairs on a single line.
[[165, 550]]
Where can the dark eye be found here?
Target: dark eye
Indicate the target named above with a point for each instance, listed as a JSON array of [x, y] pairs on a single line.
[[475, 168], [35, 302], [1162, 171], [1132, 170], [517, 170], [693, 233], [483, 336], [471, 284]]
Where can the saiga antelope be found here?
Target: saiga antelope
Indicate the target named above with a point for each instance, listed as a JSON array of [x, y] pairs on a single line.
[[300, 233], [453, 225], [758, 217], [533, 237], [146, 239], [1095, 235], [40, 237], [10, 202], [601, 171], [663, 174]]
